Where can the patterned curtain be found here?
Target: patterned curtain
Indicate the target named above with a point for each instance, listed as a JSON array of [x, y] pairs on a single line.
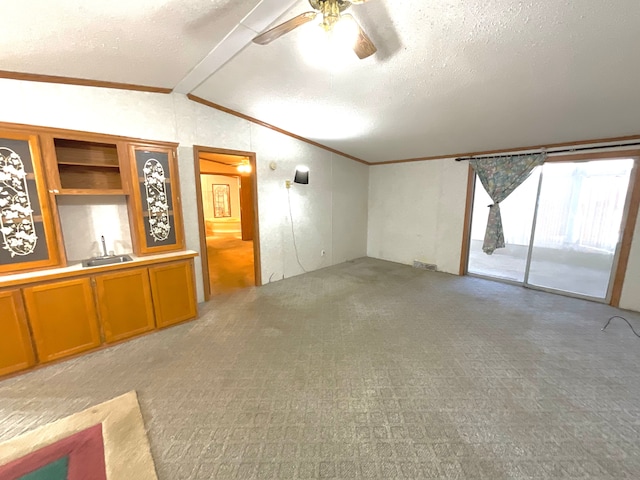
[[500, 176]]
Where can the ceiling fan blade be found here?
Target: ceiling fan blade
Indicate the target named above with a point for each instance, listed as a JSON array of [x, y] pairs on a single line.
[[284, 28], [363, 46]]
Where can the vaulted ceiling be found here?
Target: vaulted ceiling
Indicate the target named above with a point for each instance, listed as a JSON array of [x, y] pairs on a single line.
[[450, 76]]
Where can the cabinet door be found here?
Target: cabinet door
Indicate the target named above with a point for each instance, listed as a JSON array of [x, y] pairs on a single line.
[[172, 287], [27, 234], [16, 351], [124, 302], [63, 318], [155, 203]]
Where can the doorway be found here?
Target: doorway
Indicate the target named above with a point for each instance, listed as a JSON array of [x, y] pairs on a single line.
[[227, 216], [563, 228]]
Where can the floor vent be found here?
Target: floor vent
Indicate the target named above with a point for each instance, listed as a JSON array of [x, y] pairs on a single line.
[[425, 266]]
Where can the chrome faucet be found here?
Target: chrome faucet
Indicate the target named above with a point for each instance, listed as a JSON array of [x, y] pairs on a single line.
[[104, 247]]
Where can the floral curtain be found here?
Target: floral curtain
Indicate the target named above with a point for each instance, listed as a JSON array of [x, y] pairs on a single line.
[[500, 176]]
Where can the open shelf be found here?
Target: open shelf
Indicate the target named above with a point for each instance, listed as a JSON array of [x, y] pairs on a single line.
[[84, 164], [88, 167], [78, 177]]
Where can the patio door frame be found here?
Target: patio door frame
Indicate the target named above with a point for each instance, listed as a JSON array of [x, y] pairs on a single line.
[[623, 248]]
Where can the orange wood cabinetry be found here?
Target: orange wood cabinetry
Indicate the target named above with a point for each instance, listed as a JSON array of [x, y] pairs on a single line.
[[16, 351], [87, 164], [124, 302], [63, 318], [172, 287], [155, 200], [28, 240]]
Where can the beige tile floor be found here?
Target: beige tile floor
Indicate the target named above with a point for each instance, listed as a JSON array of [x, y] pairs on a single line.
[[369, 370]]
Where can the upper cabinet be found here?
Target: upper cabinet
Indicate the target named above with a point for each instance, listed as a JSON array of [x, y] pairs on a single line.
[[27, 230], [83, 166], [155, 199], [38, 165]]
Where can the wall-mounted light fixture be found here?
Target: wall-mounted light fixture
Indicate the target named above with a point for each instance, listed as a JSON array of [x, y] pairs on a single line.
[[301, 176]]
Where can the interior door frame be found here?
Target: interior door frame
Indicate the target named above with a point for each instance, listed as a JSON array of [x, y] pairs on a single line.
[[628, 224], [204, 257]]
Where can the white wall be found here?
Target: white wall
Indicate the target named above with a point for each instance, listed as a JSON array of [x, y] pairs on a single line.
[[416, 212], [84, 219], [175, 118]]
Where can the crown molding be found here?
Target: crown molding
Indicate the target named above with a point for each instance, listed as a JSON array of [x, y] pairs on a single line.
[[33, 77], [514, 149], [215, 106]]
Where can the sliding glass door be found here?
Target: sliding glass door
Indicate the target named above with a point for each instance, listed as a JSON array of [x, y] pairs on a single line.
[[517, 212], [562, 228]]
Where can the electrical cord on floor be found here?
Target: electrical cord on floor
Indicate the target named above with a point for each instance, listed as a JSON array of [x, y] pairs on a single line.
[[622, 318], [293, 233]]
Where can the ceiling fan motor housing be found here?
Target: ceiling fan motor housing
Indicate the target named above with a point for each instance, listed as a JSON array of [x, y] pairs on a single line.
[[319, 4], [331, 10]]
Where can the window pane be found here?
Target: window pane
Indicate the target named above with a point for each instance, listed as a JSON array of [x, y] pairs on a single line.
[[578, 226]]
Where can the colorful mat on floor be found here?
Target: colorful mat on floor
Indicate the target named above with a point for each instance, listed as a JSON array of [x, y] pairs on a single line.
[[105, 442]]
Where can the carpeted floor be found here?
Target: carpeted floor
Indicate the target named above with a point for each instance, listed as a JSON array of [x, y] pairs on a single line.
[[369, 370], [230, 263]]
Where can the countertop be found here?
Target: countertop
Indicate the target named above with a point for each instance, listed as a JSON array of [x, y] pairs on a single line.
[[76, 269]]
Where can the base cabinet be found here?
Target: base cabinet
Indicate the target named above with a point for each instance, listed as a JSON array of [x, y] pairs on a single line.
[[125, 305], [53, 318], [63, 318], [173, 292], [16, 351]]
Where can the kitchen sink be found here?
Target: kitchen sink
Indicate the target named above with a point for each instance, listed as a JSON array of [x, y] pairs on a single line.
[[99, 261]]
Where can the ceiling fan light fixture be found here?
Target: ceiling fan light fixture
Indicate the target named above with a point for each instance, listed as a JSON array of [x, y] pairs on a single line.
[[332, 18], [345, 32], [244, 167]]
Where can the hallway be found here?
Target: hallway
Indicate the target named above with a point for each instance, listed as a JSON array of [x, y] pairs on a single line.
[[230, 263]]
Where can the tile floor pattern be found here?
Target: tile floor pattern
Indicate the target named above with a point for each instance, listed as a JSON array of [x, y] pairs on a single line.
[[369, 370]]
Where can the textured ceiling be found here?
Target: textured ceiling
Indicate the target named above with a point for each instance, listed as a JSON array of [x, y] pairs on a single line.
[[143, 42], [451, 76]]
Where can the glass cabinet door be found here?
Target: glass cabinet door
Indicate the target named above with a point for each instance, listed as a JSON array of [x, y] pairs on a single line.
[[156, 199], [27, 234]]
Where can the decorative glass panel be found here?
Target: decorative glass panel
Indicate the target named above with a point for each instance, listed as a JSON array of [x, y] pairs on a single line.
[[156, 196], [22, 232]]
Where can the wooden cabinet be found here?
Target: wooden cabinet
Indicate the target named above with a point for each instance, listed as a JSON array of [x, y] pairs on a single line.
[[172, 287], [124, 302], [16, 351], [83, 166], [63, 318], [155, 200], [27, 230], [55, 316]]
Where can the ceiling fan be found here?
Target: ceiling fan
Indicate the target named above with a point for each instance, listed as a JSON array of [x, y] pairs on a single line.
[[331, 11]]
